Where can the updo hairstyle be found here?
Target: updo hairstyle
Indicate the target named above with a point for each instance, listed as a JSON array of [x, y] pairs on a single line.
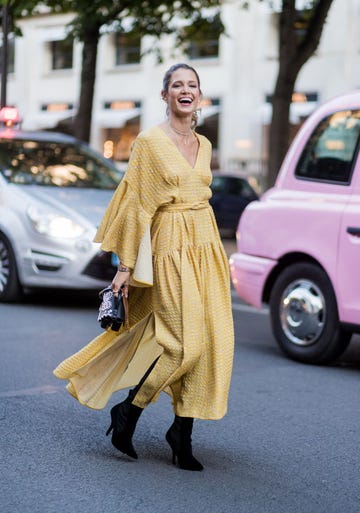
[[166, 82]]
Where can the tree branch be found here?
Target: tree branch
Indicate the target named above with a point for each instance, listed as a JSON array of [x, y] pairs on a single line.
[[313, 34]]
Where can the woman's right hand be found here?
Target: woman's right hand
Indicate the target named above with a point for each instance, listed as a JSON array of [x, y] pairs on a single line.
[[121, 281]]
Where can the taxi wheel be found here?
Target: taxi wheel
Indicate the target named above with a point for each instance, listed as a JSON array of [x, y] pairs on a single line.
[[10, 288], [304, 315]]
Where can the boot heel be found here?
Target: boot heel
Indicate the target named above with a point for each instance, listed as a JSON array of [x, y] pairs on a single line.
[[124, 417], [179, 439], [113, 420], [110, 429]]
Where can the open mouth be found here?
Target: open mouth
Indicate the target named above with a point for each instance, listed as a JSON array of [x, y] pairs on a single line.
[[185, 101]]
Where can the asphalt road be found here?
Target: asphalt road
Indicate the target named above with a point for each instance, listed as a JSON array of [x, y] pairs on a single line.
[[289, 444]]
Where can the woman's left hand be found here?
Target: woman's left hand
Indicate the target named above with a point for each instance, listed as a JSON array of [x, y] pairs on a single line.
[[121, 281]]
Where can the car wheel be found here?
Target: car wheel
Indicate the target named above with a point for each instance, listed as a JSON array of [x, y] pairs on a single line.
[[304, 315], [10, 288]]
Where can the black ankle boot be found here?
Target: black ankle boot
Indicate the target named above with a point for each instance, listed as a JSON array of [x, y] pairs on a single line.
[[124, 417], [179, 439]]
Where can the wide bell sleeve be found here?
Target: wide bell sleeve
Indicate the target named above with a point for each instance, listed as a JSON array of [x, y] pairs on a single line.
[[126, 225]]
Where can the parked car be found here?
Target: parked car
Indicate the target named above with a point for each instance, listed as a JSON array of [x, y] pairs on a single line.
[[230, 195], [299, 246], [53, 192]]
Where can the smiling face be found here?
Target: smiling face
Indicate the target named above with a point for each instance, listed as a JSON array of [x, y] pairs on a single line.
[[183, 94]]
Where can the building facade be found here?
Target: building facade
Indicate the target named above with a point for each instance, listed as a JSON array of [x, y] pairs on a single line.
[[237, 71]]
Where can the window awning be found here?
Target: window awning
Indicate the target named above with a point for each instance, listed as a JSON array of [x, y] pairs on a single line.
[[115, 118], [298, 111], [105, 119], [44, 120]]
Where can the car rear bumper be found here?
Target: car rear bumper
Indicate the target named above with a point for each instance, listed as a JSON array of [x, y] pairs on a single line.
[[249, 274]]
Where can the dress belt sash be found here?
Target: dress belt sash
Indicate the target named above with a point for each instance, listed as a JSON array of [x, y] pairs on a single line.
[[183, 207]]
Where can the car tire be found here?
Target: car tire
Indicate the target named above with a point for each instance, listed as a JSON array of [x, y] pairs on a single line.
[[304, 315], [10, 288]]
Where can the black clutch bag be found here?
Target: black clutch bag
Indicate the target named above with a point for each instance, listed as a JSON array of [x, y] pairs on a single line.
[[113, 310]]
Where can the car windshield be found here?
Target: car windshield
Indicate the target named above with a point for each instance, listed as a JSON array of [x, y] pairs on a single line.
[[45, 163]]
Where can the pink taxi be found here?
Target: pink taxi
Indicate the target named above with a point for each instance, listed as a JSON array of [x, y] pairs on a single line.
[[299, 246]]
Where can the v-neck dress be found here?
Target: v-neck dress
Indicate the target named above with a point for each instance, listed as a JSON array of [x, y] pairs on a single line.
[[161, 225]]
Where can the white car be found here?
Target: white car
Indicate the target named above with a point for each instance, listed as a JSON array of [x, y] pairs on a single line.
[[53, 192]]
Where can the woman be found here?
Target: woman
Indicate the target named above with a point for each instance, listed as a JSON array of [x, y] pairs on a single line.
[[172, 262]]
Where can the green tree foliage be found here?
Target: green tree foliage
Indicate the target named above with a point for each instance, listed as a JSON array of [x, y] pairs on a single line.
[[93, 18], [18, 7]]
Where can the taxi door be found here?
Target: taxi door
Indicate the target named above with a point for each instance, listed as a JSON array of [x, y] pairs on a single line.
[[348, 268]]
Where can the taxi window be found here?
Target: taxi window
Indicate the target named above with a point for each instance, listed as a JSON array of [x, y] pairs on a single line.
[[330, 153]]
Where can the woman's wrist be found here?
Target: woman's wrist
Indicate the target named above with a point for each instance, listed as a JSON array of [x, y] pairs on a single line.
[[123, 269]]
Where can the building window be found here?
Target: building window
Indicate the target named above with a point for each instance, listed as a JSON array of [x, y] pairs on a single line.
[[127, 48], [202, 38], [118, 141], [56, 107], [298, 97], [10, 55], [209, 121], [62, 54], [302, 22], [122, 127], [205, 49]]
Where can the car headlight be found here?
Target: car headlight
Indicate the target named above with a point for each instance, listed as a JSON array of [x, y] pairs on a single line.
[[53, 224]]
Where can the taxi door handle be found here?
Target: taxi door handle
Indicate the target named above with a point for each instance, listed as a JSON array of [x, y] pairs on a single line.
[[353, 231]]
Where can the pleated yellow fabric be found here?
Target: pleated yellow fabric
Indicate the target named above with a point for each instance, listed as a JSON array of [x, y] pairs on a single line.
[[182, 312]]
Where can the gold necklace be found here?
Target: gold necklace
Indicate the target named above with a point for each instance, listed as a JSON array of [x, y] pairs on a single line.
[[185, 135]]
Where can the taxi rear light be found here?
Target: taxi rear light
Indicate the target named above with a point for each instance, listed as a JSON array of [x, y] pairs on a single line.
[[9, 116]]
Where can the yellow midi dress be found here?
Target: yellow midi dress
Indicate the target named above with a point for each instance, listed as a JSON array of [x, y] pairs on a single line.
[[160, 224]]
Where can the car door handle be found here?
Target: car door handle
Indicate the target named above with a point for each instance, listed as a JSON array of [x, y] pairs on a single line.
[[353, 231]]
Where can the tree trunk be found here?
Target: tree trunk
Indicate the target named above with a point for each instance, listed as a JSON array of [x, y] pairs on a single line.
[[279, 136], [293, 54], [82, 122]]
